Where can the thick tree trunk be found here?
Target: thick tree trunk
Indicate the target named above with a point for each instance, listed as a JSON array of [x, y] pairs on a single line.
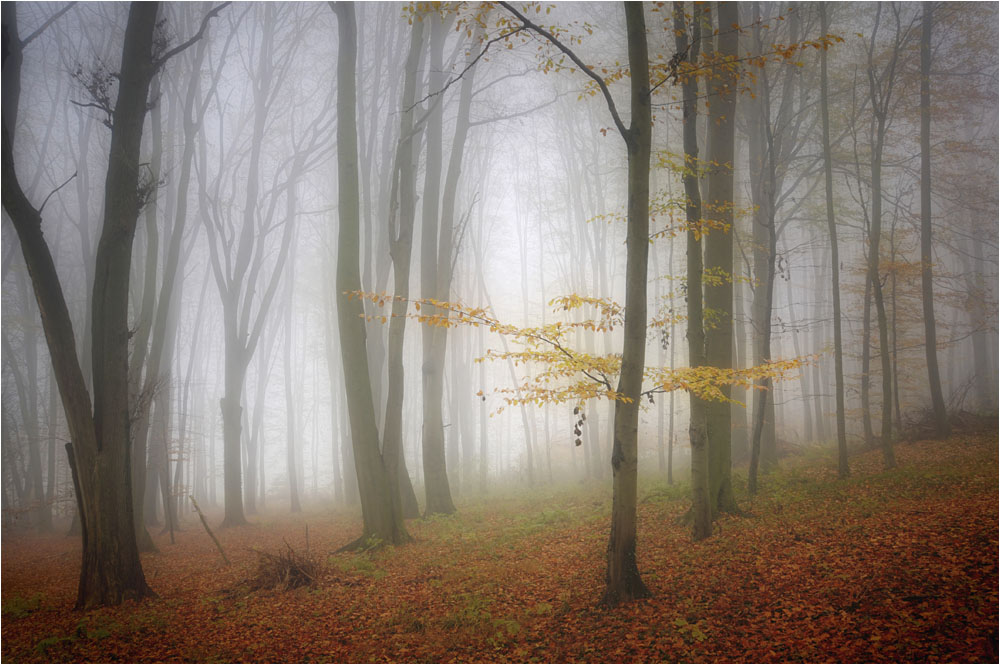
[[436, 489], [436, 482], [701, 506], [112, 570], [719, 258], [622, 578], [100, 450], [232, 424], [380, 504], [402, 210], [764, 187]]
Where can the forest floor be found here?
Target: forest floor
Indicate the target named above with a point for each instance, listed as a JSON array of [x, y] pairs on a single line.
[[897, 566]]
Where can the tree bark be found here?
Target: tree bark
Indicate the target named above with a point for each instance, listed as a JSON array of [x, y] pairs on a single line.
[[99, 450], [722, 90], [402, 211], [941, 426], [843, 469], [880, 93], [622, 581], [701, 506], [290, 434], [435, 278], [380, 504]]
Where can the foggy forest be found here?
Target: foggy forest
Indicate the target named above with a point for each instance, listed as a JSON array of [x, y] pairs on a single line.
[[482, 332]]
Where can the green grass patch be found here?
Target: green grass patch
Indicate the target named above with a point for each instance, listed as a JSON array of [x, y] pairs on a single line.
[[19, 607], [357, 564]]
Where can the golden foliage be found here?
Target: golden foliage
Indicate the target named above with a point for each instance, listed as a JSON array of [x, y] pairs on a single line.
[[558, 373]]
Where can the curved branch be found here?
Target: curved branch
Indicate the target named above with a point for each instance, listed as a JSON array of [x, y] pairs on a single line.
[[159, 62], [579, 63], [462, 73]]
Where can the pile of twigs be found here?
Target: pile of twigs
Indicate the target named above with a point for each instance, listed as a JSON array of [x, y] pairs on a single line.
[[285, 570]]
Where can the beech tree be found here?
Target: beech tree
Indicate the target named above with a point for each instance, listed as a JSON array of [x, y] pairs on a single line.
[[941, 426], [99, 451], [701, 504], [838, 346], [622, 580], [381, 507], [245, 273], [402, 210], [881, 83], [718, 292]]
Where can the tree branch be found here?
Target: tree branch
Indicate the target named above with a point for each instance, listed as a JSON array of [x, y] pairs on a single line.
[[465, 70], [159, 62], [52, 19], [579, 63], [54, 191], [516, 114]]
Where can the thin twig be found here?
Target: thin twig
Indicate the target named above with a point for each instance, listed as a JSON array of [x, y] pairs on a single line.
[[464, 71], [54, 191]]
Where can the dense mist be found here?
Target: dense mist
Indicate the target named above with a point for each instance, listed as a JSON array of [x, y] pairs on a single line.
[[383, 262]]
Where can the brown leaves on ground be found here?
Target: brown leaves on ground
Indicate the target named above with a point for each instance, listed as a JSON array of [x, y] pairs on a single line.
[[897, 566]]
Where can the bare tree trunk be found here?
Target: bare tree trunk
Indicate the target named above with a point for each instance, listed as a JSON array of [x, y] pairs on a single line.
[[843, 469], [99, 451], [719, 258], [880, 93], [866, 355], [941, 426], [380, 504], [437, 491], [293, 479], [701, 506], [622, 581], [402, 210]]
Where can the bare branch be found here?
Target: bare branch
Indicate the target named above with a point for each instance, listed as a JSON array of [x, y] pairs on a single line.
[[27, 40], [102, 107], [579, 63], [159, 62], [54, 191], [516, 114], [467, 68]]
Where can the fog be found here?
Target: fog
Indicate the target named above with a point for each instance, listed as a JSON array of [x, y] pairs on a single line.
[[507, 164]]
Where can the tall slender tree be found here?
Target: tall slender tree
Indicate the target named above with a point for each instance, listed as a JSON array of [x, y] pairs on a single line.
[[622, 579], [722, 91], [881, 85], [402, 210], [941, 426], [843, 469], [381, 508], [701, 505]]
